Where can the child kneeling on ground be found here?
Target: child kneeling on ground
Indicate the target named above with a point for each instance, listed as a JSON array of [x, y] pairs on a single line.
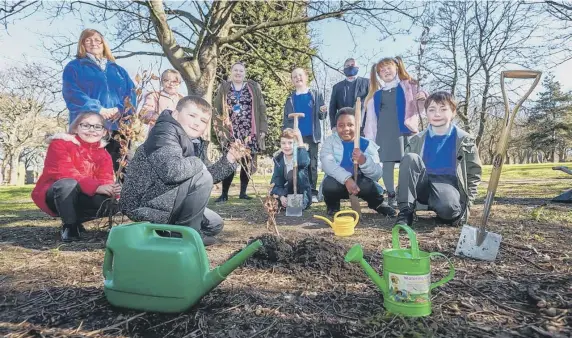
[[337, 156], [441, 167], [283, 175]]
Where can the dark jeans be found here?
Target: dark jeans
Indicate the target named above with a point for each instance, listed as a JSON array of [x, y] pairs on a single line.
[[313, 170], [244, 179], [66, 199], [194, 213], [439, 192], [334, 191]]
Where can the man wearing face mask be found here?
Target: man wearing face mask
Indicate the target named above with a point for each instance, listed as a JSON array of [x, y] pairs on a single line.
[[345, 93]]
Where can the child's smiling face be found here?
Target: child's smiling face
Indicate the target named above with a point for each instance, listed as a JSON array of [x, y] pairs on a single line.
[[346, 127], [439, 114], [287, 145], [387, 71]]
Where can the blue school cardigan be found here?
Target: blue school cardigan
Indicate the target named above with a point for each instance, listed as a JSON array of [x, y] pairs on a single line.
[[87, 88]]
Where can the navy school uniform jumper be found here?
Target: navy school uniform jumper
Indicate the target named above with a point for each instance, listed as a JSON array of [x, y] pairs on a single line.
[[310, 106]]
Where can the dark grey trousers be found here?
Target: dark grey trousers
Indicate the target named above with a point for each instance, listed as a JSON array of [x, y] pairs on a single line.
[[313, 170], [66, 199], [194, 212], [439, 192]]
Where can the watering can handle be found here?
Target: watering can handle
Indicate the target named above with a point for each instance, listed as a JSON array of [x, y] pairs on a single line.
[[107, 262], [412, 239], [446, 278], [353, 212], [185, 231]]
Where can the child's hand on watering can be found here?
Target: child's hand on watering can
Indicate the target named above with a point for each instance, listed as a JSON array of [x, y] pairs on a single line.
[[352, 186], [358, 156]]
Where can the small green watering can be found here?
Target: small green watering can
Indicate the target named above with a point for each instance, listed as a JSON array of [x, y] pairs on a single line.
[[149, 272], [406, 282]]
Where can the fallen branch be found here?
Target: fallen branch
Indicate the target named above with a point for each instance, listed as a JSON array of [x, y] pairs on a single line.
[[114, 326]]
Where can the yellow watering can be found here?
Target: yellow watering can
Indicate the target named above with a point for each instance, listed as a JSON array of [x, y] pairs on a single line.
[[343, 225]]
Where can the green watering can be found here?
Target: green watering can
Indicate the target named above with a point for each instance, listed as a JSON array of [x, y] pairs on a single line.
[[406, 282], [149, 272]]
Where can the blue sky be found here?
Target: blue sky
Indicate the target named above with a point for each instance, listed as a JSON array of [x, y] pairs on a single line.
[[24, 39]]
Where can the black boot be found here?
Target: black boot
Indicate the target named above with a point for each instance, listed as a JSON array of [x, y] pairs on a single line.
[[243, 194], [70, 233], [405, 216], [332, 209], [222, 198]]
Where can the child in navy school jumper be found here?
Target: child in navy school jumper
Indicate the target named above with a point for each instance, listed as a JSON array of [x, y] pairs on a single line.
[[283, 169], [311, 103], [441, 167], [337, 156]]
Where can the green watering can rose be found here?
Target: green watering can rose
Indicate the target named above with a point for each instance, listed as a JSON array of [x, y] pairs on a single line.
[[406, 282]]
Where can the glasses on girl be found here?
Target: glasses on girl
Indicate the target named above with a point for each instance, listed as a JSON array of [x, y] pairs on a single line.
[[87, 126]]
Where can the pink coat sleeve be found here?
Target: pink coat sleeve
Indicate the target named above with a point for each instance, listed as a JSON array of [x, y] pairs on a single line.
[[414, 109]]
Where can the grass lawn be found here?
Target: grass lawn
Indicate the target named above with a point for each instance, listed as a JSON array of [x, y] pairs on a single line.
[[54, 289]]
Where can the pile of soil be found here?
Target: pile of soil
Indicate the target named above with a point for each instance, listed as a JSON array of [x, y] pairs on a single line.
[[305, 258]]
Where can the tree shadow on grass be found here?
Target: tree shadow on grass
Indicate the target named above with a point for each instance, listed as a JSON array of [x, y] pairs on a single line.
[[48, 238], [30, 215]]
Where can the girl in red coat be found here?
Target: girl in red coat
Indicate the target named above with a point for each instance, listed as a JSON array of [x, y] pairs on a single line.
[[77, 177]]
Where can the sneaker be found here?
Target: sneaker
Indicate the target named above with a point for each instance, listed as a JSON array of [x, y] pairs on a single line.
[[244, 197], [208, 240], [222, 198], [314, 199], [386, 210], [461, 220], [405, 216], [392, 200]]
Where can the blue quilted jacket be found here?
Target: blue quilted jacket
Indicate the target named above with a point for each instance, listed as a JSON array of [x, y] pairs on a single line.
[[87, 88]]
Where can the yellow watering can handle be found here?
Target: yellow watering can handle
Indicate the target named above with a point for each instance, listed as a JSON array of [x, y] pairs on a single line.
[[412, 239], [446, 278], [356, 215]]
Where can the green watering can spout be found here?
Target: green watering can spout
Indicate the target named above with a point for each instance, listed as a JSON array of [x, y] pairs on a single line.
[[355, 255], [218, 274]]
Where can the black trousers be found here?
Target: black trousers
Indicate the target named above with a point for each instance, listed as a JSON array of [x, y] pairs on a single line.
[[439, 192], [334, 191], [313, 170], [113, 147], [194, 212], [66, 199], [245, 166]]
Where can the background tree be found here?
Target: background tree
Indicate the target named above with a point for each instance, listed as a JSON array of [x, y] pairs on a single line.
[[270, 57], [470, 43], [551, 118], [27, 115]]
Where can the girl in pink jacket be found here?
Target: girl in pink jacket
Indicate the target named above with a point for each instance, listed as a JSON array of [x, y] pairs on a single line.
[[393, 105]]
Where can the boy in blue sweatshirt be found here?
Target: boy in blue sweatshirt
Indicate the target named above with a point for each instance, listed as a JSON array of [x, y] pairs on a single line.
[[441, 167], [311, 103], [283, 169]]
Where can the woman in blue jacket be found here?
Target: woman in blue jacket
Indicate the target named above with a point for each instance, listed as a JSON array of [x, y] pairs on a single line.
[[93, 82]]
